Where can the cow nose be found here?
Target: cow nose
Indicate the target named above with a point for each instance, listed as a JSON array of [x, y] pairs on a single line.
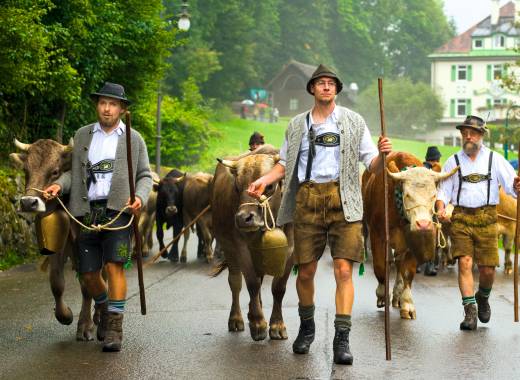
[[29, 204], [424, 225], [171, 210]]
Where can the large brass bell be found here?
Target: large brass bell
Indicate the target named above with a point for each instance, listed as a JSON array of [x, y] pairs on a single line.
[[269, 252], [52, 231]]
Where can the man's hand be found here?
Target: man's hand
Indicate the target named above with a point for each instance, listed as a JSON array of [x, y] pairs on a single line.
[[516, 185], [52, 191], [384, 145], [257, 188], [136, 206]]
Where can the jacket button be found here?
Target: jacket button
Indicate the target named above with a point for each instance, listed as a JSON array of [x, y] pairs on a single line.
[[348, 217], [345, 202], [342, 151], [85, 148], [84, 198], [341, 131], [84, 181], [83, 164]]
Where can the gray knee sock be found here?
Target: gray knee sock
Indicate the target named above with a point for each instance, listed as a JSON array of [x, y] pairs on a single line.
[[343, 320], [306, 312]]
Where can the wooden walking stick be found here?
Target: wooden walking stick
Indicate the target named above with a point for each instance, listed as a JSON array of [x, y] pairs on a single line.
[[135, 223], [387, 228], [515, 270]]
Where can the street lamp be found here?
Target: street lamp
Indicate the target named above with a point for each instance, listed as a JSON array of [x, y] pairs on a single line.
[[506, 143], [184, 25]]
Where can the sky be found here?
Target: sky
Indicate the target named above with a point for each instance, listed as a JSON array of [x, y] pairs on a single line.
[[467, 13]]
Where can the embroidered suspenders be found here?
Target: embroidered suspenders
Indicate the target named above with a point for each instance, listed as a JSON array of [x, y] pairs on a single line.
[[475, 177]]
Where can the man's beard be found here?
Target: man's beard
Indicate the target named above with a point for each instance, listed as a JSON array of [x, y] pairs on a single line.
[[471, 148], [325, 102], [108, 125]]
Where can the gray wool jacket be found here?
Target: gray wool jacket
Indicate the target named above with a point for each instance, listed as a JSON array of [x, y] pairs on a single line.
[[351, 128], [74, 181]]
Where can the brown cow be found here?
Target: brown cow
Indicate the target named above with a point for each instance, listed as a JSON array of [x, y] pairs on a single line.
[[147, 218], [43, 162], [237, 220], [412, 232]]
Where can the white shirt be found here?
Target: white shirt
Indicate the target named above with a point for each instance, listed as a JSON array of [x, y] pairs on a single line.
[[325, 165], [103, 147], [475, 194]]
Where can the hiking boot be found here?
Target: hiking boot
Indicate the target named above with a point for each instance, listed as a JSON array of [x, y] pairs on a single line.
[[100, 319], [470, 318], [484, 310], [429, 269], [114, 335], [305, 336], [341, 346]]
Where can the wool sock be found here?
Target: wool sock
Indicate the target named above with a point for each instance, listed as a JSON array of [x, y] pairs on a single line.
[[116, 306], [102, 298], [343, 320], [485, 292], [468, 300], [306, 312]]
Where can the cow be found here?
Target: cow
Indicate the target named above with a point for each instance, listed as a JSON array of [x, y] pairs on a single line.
[[412, 231], [195, 198], [43, 162], [169, 210], [237, 221], [147, 218]]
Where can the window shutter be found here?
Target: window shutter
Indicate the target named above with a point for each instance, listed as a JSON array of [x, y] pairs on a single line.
[[468, 106], [504, 71], [488, 75], [470, 73], [452, 108], [453, 72], [488, 104]]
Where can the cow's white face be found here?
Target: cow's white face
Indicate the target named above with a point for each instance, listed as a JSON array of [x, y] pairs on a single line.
[[419, 194]]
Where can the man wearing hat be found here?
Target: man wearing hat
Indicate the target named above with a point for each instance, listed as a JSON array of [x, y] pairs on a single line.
[[99, 189], [256, 140], [474, 193], [322, 197]]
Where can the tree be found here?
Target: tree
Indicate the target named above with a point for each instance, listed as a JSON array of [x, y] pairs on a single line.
[[410, 108]]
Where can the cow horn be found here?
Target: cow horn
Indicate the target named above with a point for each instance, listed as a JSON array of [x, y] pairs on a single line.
[[68, 148], [399, 176], [276, 158], [441, 176], [180, 179], [21, 145], [229, 163]]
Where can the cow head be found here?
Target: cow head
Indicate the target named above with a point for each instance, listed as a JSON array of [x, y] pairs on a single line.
[[43, 162], [169, 191], [250, 215], [419, 188]]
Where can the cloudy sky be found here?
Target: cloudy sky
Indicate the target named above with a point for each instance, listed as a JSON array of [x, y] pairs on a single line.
[[466, 13]]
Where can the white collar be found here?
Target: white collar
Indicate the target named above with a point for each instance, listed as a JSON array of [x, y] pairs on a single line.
[[119, 129], [333, 116]]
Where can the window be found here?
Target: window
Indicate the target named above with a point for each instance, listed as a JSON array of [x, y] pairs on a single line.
[[461, 107], [497, 71], [448, 140], [478, 44], [462, 72], [458, 141], [499, 102], [293, 104], [499, 41]]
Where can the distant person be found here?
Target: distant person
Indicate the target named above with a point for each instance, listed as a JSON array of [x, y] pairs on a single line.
[[256, 140], [276, 115], [243, 110]]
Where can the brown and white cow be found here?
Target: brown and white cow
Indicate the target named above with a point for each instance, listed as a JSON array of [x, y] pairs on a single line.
[[412, 231], [147, 218], [237, 220], [43, 162]]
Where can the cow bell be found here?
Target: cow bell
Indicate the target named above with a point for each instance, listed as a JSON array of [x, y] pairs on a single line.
[[52, 231], [269, 252]]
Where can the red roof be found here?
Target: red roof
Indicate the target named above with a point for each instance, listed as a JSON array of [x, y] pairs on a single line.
[[462, 42]]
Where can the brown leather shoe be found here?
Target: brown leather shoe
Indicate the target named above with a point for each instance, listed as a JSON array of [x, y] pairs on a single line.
[[101, 319], [484, 310], [470, 318], [114, 335]]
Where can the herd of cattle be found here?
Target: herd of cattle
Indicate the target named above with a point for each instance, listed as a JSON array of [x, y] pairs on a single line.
[[234, 220]]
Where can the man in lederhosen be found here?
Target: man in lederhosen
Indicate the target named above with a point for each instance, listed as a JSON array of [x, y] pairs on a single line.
[[322, 197], [99, 188], [474, 193]]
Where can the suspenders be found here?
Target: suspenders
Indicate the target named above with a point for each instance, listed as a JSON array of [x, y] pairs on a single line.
[[312, 148], [461, 179]]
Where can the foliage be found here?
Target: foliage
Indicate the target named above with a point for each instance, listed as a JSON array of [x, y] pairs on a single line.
[[409, 107]]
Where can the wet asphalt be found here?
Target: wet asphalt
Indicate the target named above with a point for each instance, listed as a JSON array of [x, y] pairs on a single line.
[[184, 334]]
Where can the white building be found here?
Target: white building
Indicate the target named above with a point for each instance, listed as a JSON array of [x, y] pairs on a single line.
[[466, 72]]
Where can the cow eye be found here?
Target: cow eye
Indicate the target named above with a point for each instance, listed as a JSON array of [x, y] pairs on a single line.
[[55, 173]]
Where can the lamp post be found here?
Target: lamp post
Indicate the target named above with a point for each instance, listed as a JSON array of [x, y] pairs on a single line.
[[506, 125], [184, 25]]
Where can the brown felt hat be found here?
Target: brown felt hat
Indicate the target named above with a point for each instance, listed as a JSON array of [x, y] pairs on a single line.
[[324, 71], [473, 122]]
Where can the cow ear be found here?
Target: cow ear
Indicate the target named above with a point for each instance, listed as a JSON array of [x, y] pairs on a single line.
[[436, 167], [392, 167], [229, 164], [18, 159]]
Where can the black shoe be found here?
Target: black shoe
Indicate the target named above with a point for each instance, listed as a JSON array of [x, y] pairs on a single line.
[[305, 337], [114, 335], [341, 346], [470, 318], [484, 310], [429, 269]]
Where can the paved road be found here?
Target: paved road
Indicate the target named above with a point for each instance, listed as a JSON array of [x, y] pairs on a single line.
[[184, 335]]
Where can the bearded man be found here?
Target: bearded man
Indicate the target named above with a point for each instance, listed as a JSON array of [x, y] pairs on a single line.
[[474, 193]]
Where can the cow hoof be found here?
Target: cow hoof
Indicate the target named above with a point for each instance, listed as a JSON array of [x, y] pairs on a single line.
[[508, 268], [183, 259], [85, 333], [236, 324], [395, 302], [408, 314], [65, 318], [174, 259], [277, 331], [258, 330], [380, 302]]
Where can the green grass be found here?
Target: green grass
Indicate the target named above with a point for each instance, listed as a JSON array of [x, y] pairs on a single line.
[[234, 137]]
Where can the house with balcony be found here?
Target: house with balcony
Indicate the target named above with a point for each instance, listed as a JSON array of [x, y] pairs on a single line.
[[467, 72]]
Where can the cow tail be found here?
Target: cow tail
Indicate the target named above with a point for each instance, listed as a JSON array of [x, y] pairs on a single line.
[[365, 237], [218, 268]]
